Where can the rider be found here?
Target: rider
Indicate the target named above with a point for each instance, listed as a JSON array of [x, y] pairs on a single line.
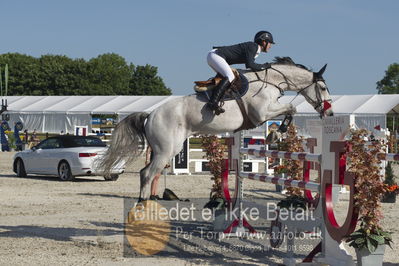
[[220, 59]]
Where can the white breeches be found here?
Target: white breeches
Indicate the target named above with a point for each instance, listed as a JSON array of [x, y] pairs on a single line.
[[219, 65]]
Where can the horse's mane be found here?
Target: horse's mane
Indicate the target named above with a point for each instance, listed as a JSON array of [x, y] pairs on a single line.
[[286, 60]]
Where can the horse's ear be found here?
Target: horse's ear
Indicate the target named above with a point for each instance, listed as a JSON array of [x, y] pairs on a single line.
[[321, 71]]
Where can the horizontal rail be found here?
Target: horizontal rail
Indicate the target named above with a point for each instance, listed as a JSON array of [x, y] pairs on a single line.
[[302, 156], [288, 182], [392, 157]]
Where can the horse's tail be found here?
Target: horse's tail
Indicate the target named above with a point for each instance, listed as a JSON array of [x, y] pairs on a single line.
[[127, 142]]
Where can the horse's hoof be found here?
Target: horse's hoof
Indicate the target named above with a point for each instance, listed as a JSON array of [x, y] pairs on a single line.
[[155, 197], [219, 111]]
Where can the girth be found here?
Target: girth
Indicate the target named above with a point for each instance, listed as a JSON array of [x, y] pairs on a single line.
[[239, 88], [246, 124]]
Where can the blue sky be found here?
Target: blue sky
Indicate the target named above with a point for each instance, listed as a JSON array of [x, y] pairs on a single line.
[[358, 39]]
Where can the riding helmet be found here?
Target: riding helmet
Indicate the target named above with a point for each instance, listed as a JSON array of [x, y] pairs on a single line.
[[263, 36]]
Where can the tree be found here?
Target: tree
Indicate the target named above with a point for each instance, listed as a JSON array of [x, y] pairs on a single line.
[[107, 74], [144, 81], [390, 83], [23, 73], [56, 77]]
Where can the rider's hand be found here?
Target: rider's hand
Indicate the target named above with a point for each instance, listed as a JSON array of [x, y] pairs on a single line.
[[267, 65]]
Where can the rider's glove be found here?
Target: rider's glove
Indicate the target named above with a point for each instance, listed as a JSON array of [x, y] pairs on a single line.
[[267, 65]]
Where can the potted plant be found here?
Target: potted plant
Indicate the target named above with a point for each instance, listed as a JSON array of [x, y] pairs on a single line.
[[215, 150], [370, 239], [369, 244], [390, 195], [391, 186], [293, 201]]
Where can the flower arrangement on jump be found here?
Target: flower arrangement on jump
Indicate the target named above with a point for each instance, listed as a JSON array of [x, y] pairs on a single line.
[[293, 168], [214, 150], [370, 188], [280, 169]]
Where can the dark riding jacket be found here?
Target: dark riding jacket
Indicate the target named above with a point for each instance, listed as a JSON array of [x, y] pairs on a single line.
[[242, 53]]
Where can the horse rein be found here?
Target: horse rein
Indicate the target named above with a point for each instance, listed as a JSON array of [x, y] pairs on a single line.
[[317, 105]]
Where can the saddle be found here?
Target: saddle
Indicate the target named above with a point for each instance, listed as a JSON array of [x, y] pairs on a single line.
[[211, 83], [237, 89]]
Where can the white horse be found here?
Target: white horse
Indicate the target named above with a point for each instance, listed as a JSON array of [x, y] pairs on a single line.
[[167, 127]]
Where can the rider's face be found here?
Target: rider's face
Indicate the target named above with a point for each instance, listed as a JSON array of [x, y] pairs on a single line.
[[266, 46]]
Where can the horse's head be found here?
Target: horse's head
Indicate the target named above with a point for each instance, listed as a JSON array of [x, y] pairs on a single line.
[[318, 95], [311, 85]]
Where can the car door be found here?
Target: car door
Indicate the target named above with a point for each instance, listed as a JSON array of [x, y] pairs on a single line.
[[27, 159], [35, 160], [51, 154], [44, 158]]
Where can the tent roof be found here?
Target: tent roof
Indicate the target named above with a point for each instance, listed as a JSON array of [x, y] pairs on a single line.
[[342, 104]]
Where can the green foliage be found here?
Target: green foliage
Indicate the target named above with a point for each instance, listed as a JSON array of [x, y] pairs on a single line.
[[390, 83], [146, 82], [389, 177], [11, 140], [366, 239], [107, 74], [105, 116], [293, 201]]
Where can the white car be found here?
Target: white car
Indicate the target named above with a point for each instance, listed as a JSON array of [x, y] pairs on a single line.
[[65, 156]]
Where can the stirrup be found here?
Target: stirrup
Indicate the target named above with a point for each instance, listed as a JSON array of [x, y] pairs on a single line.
[[216, 108]]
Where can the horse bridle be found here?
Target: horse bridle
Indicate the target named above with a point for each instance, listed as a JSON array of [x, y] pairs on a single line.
[[317, 105]]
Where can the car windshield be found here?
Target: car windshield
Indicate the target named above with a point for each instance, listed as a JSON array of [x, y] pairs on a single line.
[[85, 142]]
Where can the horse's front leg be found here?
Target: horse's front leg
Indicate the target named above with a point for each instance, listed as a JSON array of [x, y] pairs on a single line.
[[276, 110]]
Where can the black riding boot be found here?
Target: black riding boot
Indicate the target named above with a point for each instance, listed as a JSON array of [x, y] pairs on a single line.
[[217, 96]]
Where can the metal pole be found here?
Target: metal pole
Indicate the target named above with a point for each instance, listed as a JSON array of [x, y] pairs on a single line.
[[240, 190], [6, 80]]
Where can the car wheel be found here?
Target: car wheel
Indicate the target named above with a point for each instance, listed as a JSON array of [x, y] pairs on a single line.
[[111, 177], [20, 168], [64, 171]]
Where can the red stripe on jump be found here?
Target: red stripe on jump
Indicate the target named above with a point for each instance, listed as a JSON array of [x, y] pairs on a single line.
[[288, 182], [251, 176], [275, 180], [302, 156], [274, 154], [262, 178], [302, 184], [262, 153], [396, 157], [287, 155]]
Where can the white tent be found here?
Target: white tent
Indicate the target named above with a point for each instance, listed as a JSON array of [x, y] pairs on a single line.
[[368, 110], [54, 114]]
